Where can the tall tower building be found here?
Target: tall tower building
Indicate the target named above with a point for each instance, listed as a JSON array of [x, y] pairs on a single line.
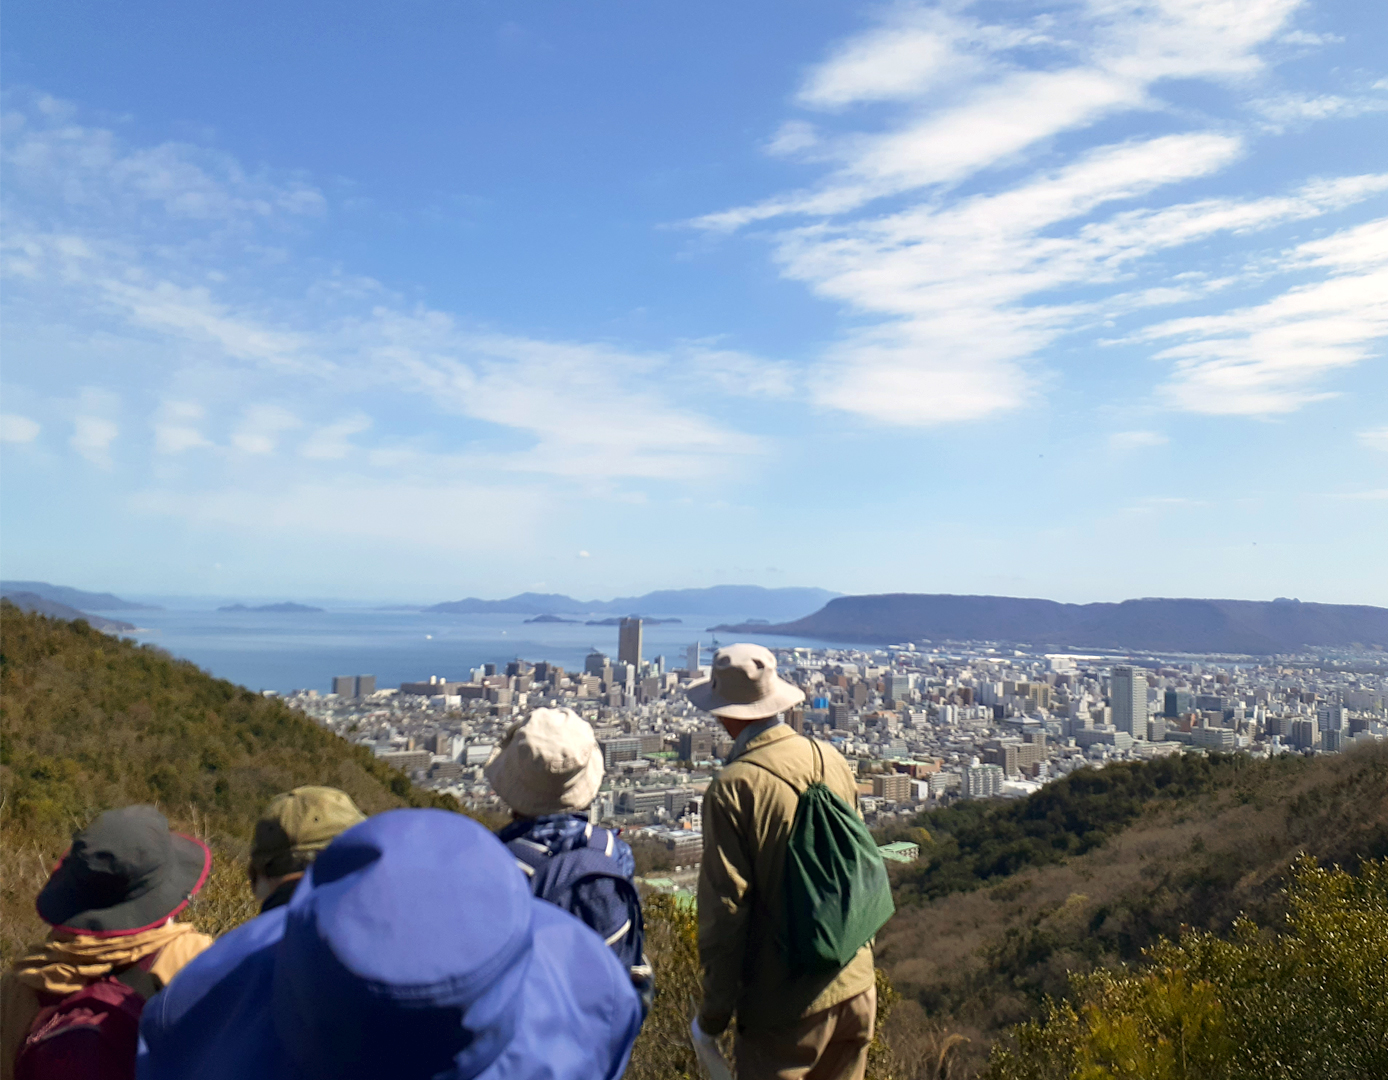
[[629, 642], [1130, 700], [691, 660]]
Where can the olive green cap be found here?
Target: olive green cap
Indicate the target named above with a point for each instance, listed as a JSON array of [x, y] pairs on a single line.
[[297, 825]]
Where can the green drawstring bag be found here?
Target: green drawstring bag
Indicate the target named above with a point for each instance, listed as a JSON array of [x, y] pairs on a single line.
[[837, 893]]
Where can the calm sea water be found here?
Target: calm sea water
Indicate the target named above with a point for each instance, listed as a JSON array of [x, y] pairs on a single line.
[[283, 652]]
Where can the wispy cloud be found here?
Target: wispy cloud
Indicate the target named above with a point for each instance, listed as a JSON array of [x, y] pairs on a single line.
[[1273, 357], [956, 295], [286, 395], [1376, 438], [176, 428], [18, 429]]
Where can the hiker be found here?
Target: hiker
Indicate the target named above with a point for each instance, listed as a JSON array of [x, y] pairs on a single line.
[[69, 1008], [412, 948], [548, 769], [295, 827], [801, 1014]]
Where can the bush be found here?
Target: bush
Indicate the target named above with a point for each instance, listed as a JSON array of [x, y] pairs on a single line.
[[1310, 1002]]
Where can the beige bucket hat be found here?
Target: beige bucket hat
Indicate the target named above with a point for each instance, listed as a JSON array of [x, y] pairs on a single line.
[[744, 685], [548, 763]]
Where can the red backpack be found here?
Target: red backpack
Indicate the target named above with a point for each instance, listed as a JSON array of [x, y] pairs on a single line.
[[91, 1034]]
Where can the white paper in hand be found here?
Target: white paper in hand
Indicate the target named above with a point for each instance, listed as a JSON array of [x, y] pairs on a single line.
[[711, 1059]]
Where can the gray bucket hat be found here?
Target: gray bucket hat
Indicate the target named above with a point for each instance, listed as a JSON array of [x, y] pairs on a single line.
[[743, 685], [124, 873]]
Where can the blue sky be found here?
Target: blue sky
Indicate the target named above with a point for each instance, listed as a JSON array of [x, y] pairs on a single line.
[[1081, 300]]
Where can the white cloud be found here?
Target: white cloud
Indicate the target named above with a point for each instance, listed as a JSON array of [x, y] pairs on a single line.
[[331, 442], [957, 294], [915, 52], [983, 106], [1376, 438], [176, 429], [261, 427], [54, 159], [18, 429], [1133, 440], [553, 408], [739, 374], [92, 437], [1273, 357], [1291, 108]]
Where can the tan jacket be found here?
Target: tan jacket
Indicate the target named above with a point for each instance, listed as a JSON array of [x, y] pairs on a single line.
[[748, 815], [65, 963]]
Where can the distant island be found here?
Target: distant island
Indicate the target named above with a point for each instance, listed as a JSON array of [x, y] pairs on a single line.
[[273, 609], [618, 621], [719, 600], [1251, 627], [553, 619]]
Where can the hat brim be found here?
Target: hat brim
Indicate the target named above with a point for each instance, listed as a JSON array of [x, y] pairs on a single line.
[[515, 785], [60, 904], [233, 983], [783, 696]]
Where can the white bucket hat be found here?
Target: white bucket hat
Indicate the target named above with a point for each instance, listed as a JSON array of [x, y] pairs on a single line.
[[743, 685], [548, 763]]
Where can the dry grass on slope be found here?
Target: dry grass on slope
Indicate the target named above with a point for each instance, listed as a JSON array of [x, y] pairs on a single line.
[[974, 963]]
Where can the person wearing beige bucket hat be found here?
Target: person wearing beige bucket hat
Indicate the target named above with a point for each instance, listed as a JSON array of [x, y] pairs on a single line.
[[548, 770], [815, 1025]]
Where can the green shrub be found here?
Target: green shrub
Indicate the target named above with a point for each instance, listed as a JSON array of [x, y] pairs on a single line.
[[1310, 1002]]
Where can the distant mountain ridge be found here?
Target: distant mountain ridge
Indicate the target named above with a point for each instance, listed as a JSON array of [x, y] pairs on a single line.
[[75, 598], [751, 600], [32, 602], [1160, 625]]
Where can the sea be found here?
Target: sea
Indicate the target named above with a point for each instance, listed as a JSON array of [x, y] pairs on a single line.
[[284, 651]]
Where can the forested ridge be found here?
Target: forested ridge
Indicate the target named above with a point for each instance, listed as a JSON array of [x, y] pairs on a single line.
[[88, 722]]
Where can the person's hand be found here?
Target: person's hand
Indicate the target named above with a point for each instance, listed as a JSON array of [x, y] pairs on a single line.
[[711, 1058]]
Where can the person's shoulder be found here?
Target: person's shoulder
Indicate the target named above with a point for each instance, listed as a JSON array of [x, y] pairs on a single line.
[[233, 952]]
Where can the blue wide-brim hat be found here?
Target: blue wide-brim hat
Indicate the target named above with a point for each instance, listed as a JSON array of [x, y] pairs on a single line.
[[413, 947]]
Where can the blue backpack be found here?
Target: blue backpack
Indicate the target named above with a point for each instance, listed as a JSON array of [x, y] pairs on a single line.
[[589, 884]]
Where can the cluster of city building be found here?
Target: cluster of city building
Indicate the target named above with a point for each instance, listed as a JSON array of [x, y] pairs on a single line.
[[921, 723]]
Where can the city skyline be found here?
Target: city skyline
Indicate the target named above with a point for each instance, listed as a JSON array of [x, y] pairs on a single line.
[[1080, 301]]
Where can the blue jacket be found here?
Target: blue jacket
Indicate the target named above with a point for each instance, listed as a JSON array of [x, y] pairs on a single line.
[[412, 948]]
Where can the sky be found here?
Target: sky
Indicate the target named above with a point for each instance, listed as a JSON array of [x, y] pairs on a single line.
[[1082, 300]]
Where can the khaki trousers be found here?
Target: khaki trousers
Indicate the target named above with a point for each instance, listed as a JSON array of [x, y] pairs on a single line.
[[830, 1045]]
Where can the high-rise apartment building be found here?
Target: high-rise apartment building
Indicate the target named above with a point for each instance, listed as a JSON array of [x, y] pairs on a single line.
[[1332, 717], [894, 786], [365, 685], [895, 688], [691, 660], [629, 642], [1129, 696]]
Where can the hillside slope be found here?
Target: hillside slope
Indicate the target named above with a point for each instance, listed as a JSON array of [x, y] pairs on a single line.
[[989, 922], [1163, 625], [88, 722]]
